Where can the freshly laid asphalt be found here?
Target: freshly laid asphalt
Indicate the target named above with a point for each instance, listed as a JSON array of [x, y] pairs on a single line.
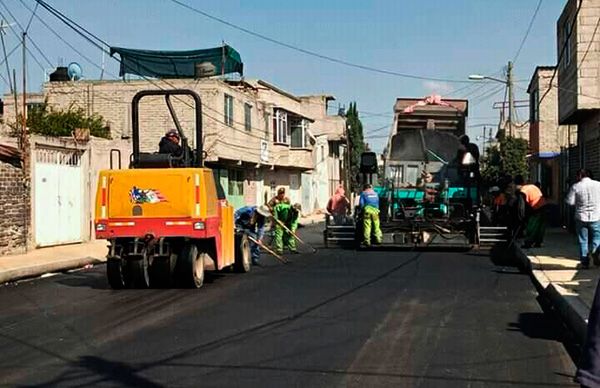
[[334, 318]]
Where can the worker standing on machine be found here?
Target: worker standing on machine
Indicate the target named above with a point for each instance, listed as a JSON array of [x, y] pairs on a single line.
[[369, 203], [251, 220]]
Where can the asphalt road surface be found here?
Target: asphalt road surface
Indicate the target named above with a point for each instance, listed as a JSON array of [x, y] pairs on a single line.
[[336, 318]]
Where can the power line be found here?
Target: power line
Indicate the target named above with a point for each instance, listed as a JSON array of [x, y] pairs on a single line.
[[31, 18], [587, 50], [71, 25], [93, 63], [19, 37], [379, 129], [562, 51], [489, 95], [528, 31], [93, 39], [309, 52]]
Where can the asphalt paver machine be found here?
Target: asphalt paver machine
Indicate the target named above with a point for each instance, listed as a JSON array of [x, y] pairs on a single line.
[[165, 217], [429, 194]]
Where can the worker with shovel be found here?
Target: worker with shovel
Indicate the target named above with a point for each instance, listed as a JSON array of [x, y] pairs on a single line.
[[251, 220], [286, 223]]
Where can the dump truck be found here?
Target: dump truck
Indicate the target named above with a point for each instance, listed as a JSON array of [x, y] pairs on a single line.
[[166, 217]]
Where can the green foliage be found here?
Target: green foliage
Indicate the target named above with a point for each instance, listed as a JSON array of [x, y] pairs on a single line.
[[48, 122], [356, 139], [509, 156]]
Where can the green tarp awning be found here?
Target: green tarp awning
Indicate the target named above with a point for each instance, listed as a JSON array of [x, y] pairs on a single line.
[[179, 64]]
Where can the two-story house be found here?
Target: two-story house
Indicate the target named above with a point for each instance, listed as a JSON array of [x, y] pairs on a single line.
[[578, 50], [547, 138], [257, 138]]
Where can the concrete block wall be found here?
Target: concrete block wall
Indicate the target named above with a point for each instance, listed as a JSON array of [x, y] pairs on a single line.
[[579, 80], [13, 202], [549, 136]]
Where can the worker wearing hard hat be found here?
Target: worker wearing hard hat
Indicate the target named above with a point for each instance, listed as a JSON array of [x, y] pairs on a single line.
[[251, 220]]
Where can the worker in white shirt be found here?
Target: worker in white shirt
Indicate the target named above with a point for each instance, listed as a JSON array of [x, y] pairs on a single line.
[[585, 196]]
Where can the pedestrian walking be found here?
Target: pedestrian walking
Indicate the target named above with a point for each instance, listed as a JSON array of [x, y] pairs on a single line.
[[585, 196], [338, 206], [531, 200], [369, 203], [251, 220]]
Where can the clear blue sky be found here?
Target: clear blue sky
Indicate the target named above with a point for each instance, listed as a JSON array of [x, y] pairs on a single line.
[[436, 38]]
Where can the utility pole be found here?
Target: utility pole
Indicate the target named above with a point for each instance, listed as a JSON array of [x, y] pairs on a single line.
[[511, 98], [348, 161], [25, 149]]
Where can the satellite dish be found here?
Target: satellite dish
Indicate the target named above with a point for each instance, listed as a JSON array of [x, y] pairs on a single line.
[[74, 71]]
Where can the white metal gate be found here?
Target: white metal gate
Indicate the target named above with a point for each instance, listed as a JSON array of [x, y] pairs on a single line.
[[58, 196]]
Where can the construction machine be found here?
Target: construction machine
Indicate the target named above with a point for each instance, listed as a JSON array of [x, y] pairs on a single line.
[[165, 217], [428, 191]]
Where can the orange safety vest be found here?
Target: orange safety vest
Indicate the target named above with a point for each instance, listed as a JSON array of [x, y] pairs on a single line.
[[533, 196]]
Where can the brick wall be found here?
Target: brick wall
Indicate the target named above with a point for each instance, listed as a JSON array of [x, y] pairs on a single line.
[[13, 199]]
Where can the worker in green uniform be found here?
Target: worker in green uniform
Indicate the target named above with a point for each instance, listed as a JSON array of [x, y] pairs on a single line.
[[369, 203], [288, 215], [288, 239]]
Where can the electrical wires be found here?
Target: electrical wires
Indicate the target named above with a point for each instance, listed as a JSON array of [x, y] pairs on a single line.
[[528, 31], [313, 53]]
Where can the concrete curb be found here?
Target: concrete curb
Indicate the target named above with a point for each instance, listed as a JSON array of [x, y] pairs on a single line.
[[310, 222], [570, 307], [20, 273]]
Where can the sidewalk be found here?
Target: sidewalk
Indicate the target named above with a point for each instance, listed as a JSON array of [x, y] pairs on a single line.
[[54, 259], [554, 271], [310, 219]]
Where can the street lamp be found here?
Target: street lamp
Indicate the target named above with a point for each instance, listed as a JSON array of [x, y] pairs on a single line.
[[479, 77], [509, 83]]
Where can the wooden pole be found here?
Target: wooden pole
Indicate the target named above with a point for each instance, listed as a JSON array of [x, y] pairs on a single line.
[[263, 246], [25, 149]]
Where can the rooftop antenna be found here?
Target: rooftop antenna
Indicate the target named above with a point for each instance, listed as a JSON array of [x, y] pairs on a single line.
[[74, 71], [3, 26]]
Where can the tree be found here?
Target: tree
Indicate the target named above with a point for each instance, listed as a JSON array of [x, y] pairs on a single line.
[[508, 157], [48, 122], [355, 139]]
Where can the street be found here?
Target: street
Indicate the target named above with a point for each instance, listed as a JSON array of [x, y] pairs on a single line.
[[334, 318]]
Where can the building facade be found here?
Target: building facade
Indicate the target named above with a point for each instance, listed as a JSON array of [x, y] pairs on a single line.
[[578, 85], [547, 138], [256, 137]]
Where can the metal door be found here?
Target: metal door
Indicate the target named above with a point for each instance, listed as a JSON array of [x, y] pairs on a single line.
[[58, 197]]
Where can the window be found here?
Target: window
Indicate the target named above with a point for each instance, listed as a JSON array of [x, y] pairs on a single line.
[[236, 182], [34, 107], [334, 149], [567, 44], [299, 133], [248, 117], [534, 111], [280, 127], [228, 110], [412, 173], [397, 173]]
